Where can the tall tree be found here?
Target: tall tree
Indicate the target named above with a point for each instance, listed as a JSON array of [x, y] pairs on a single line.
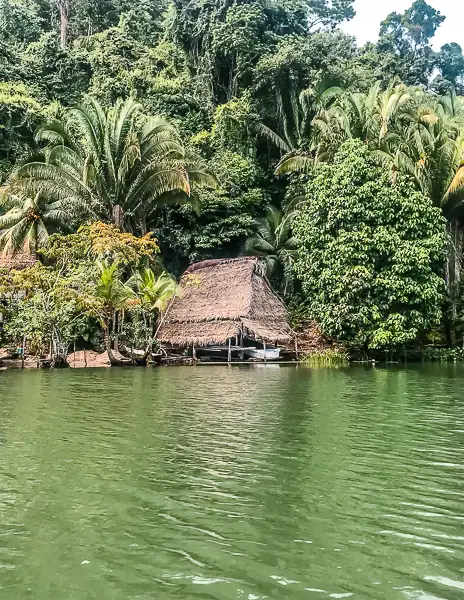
[[450, 62], [116, 164], [405, 43], [64, 9], [328, 13], [370, 252], [224, 39]]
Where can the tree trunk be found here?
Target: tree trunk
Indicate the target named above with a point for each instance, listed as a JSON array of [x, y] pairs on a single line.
[[109, 350], [143, 225], [453, 278], [116, 331], [448, 327], [115, 362], [60, 351], [118, 216], [63, 7], [23, 352]]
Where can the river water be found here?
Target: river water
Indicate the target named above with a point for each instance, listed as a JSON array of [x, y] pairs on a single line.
[[232, 482]]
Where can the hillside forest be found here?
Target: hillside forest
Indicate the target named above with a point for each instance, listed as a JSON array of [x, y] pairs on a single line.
[[139, 137]]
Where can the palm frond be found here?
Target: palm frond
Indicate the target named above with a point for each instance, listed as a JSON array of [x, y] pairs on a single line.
[[122, 125], [98, 159], [294, 163], [272, 136], [203, 178], [12, 240], [456, 184], [54, 133]]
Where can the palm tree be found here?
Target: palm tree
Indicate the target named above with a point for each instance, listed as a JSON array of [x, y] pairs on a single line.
[[431, 150], [28, 221], [370, 116], [113, 296], [271, 238], [117, 164], [417, 134], [295, 117], [296, 122], [155, 294], [430, 147]]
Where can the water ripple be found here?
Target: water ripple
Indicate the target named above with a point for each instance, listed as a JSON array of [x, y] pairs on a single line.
[[225, 483]]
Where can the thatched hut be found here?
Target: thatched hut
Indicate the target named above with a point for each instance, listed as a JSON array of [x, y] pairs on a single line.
[[17, 262], [224, 300]]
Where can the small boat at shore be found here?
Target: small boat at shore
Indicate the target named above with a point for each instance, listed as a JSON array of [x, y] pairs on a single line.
[[263, 354], [134, 352]]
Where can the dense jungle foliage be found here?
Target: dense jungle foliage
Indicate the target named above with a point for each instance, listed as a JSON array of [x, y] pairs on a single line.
[[215, 128]]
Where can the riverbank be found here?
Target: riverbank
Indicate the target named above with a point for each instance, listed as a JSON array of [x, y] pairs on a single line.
[[77, 360], [92, 359]]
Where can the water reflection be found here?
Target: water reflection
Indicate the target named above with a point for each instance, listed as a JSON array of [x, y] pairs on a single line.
[[242, 482]]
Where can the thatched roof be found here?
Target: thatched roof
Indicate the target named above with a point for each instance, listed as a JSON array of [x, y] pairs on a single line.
[[17, 261], [218, 299]]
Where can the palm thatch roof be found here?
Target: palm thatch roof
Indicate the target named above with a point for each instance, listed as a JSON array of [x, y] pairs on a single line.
[[221, 298], [17, 261]]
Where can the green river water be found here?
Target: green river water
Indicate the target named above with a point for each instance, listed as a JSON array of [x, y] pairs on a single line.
[[224, 482]]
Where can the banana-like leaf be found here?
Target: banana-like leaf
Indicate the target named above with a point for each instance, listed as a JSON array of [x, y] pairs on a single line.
[[295, 163], [275, 138]]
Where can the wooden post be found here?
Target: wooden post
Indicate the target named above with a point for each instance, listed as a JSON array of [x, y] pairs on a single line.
[[296, 347], [264, 346], [23, 352], [194, 351], [116, 331], [74, 352], [242, 352], [229, 353]]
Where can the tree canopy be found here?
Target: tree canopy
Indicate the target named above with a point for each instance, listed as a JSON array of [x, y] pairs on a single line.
[[202, 123], [370, 252]]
